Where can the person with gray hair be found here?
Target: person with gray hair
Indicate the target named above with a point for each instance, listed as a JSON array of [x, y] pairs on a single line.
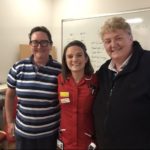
[[122, 105]]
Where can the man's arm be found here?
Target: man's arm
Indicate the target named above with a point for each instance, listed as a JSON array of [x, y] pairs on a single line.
[[9, 109]]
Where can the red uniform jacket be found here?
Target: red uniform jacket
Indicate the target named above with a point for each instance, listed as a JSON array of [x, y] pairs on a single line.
[[76, 129]]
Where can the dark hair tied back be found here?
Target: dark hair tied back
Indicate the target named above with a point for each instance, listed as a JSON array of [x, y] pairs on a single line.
[[88, 67]]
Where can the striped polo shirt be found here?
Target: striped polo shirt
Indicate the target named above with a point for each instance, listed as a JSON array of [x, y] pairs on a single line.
[[38, 110]]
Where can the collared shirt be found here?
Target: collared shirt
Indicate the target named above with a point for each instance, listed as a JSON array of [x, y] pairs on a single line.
[[38, 111], [113, 68]]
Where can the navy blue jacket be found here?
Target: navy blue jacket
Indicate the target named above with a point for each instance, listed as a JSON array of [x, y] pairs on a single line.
[[122, 105]]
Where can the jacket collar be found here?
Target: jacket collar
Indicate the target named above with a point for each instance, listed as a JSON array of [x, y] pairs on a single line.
[[136, 55]]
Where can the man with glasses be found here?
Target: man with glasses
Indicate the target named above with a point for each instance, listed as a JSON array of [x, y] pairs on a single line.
[[34, 82]]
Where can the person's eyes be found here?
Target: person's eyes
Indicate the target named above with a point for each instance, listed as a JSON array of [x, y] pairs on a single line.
[[75, 56], [69, 56], [119, 38], [79, 55], [34, 42], [43, 43], [107, 41]]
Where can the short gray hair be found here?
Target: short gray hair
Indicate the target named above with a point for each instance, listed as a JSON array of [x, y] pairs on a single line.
[[113, 24]]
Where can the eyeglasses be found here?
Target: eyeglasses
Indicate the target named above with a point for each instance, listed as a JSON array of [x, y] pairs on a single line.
[[43, 43]]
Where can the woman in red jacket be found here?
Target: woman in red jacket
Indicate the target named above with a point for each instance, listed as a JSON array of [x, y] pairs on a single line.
[[76, 87]]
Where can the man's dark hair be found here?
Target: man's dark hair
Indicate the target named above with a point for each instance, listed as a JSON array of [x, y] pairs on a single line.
[[41, 29]]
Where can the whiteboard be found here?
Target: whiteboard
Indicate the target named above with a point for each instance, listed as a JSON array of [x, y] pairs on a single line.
[[87, 30]]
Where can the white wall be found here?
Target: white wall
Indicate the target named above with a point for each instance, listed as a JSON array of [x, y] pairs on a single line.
[[17, 17], [65, 9]]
